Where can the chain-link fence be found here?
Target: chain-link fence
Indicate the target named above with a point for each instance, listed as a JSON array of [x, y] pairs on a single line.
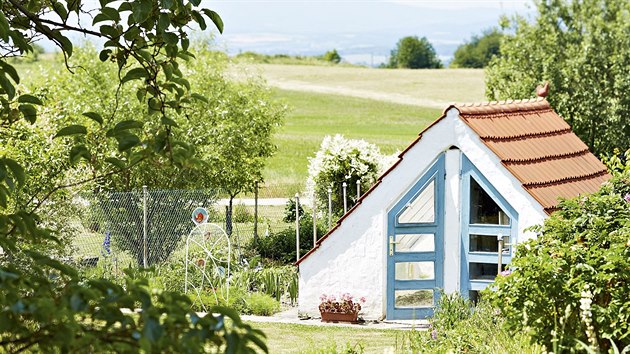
[[147, 227]]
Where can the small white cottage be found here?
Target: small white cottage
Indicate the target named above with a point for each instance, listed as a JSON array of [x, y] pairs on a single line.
[[479, 173]]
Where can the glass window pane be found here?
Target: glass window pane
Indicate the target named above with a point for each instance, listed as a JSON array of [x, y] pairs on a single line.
[[413, 298], [483, 209], [421, 209], [415, 243], [484, 271], [414, 271], [488, 243]]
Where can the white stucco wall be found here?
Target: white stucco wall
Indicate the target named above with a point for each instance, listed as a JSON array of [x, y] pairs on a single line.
[[353, 259]]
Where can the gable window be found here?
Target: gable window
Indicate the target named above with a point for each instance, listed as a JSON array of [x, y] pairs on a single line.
[[487, 218], [421, 209]]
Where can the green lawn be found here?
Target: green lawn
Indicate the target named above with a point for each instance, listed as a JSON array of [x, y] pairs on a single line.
[[295, 338], [314, 115]]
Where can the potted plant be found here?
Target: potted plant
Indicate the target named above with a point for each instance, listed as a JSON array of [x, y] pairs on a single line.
[[345, 310]]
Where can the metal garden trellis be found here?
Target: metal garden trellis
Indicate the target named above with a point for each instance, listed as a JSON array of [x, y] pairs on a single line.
[[209, 240]]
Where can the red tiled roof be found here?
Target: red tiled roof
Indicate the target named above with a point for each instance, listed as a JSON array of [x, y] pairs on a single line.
[[533, 142], [538, 147]]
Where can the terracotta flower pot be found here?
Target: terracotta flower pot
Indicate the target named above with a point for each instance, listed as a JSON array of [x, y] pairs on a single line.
[[339, 317]]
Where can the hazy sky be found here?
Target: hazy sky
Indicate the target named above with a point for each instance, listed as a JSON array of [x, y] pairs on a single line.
[[361, 30]]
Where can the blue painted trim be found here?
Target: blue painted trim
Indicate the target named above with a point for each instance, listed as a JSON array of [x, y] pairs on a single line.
[[470, 171], [434, 173]]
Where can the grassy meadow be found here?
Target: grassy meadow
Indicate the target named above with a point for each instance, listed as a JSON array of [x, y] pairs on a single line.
[[314, 115]]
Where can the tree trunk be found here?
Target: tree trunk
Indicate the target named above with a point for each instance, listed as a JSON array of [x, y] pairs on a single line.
[[228, 217]]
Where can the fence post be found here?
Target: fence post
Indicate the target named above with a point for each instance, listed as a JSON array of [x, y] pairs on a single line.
[[297, 227], [500, 253], [145, 243], [345, 198], [314, 222], [358, 189], [329, 208], [256, 212]]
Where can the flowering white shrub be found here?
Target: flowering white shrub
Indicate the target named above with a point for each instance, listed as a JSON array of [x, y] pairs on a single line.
[[342, 160]]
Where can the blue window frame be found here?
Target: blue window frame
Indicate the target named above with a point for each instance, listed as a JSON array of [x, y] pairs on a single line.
[[415, 247], [486, 216]]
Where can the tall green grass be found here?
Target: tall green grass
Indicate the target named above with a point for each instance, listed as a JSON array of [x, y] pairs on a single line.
[[314, 115]]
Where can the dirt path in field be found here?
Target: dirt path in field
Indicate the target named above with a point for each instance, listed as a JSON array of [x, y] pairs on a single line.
[[293, 85]]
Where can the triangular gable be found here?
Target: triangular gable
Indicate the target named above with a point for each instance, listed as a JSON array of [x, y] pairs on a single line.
[[534, 144]]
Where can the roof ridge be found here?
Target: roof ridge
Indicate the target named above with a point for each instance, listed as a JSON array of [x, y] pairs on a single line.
[[547, 157], [504, 107], [564, 180], [501, 102]]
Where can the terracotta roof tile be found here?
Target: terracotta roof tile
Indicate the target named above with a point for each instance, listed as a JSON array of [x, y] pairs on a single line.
[[548, 194], [538, 147]]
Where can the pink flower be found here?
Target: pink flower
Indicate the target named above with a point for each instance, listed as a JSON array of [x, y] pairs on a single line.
[[506, 272], [434, 334], [627, 198], [362, 299], [322, 298]]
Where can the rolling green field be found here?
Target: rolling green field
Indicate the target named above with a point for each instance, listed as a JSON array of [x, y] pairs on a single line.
[[425, 87], [314, 115]]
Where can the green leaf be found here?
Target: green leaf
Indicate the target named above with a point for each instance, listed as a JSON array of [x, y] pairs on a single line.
[[199, 19], [195, 2], [216, 19], [168, 121], [104, 55], [170, 38], [60, 10], [134, 74], [142, 10], [4, 192], [9, 69], [128, 124], [125, 6], [111, 13], [116, 162], [73, 129], [141, 94], [4, 27], [95, 117], [100, 18], [132, 33], [26, 98], [20, 41], [78, 152], [110, 31], [16, 170], [164, 22], [185, 43], [63, 41], [29, 112], [199, 97], [7, 86], [258, 341], [155, 105], [126, 141]]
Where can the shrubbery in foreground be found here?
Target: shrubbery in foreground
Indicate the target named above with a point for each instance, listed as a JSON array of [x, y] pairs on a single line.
[[570, 287]]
